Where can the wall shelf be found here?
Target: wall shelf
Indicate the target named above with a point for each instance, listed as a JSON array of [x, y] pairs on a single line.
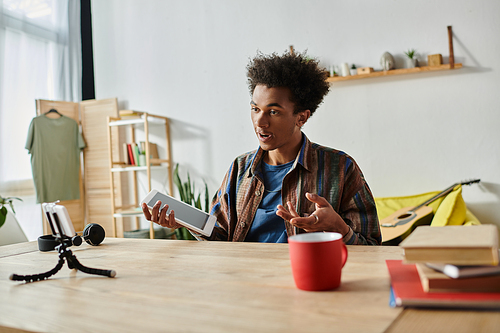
[[451, 66], [402, 71]]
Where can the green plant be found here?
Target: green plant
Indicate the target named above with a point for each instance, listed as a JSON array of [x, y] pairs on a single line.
[[3, 209], [353, 66], [410, 53], [187, 194]]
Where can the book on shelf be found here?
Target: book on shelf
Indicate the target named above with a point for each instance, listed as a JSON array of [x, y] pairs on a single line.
[[135, 152], [460, 271], [126, 158], [436, 281], [130, 114], [130, 154], [457, 245], [407, 290]]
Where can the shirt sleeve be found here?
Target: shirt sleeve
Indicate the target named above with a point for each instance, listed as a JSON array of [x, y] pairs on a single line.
[[29, 139], [81, 142], [359, 211], [220, 209]]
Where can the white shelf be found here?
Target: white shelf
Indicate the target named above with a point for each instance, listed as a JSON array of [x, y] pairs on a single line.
[[137, 168], [134, 121], [124, 214]]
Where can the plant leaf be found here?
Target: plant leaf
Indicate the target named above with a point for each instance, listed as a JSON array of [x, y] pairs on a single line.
[[190, 193], [197, 203], [12, 206], [178, 234], [186, 197], [3, 215], [206, 197], [177, 181]]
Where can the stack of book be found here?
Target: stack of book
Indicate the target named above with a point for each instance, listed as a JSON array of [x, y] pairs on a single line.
[[130, 114], [452, 266]]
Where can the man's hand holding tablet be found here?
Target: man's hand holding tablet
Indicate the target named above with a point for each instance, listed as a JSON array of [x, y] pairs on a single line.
[[185, 215]]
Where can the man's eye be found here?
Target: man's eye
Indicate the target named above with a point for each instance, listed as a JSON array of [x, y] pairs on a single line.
[[273, 112], [254, 109]]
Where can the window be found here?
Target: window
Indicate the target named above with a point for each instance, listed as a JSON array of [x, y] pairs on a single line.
[[40, 58]]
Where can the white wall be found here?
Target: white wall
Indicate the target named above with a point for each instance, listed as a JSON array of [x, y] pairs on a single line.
[[410, 134]]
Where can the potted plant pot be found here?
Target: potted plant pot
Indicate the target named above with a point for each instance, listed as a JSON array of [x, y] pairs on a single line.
[[353, 70], [411, 63], [411, 60]]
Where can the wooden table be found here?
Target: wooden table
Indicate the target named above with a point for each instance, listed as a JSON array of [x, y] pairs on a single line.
[[188, 286]]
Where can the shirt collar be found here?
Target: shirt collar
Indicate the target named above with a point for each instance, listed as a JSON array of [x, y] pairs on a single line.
[[305, 157]]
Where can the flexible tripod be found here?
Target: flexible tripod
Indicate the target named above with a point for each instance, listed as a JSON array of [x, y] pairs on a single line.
[[73, 263]]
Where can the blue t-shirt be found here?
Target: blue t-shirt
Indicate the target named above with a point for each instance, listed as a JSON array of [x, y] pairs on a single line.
[[267, 227]]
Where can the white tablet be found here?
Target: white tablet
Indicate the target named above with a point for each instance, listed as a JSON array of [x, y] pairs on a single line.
[[187, 215]]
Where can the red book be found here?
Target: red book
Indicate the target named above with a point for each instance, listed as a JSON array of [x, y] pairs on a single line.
[[130, 154], [408, 291]]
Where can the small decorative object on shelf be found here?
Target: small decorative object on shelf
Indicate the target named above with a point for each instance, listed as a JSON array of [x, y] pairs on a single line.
[[434, 59], [387, 61], [333, 72], [344, 69], [142, 159], [365, 70], [411, 60], [353, 70]]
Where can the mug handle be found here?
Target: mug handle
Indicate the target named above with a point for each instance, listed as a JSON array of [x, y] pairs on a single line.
[[344, 254]]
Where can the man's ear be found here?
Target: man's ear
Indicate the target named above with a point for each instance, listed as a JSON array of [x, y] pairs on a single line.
[[302, 118]]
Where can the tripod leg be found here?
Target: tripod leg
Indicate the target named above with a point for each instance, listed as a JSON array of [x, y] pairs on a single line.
[[38, 277], [76, 264], [72, 263]]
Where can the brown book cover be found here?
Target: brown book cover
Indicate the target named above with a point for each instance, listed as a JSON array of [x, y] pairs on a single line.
[[153, 151], [434, 281], [458, 245]]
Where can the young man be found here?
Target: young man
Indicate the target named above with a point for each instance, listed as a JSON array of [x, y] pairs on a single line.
[[288, 185]]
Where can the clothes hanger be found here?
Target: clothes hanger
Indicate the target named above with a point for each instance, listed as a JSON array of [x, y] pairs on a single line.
[[52, 111]]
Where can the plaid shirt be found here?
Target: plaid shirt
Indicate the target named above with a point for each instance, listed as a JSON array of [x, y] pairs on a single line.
[[330, 173]]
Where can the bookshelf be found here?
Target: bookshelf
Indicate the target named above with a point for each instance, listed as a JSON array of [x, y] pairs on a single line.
[[119, 163]]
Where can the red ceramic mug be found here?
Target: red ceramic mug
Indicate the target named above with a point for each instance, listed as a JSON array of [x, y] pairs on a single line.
[[317, 259]]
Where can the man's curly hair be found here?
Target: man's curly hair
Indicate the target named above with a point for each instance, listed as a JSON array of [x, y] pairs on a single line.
[[302, 75]]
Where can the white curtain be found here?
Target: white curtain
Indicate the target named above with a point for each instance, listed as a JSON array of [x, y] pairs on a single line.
[[40, 58]]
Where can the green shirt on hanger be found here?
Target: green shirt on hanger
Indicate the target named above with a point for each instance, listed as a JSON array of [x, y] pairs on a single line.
[[55, 145]]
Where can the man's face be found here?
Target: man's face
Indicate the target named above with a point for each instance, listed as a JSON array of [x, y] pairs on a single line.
[[274, 122]]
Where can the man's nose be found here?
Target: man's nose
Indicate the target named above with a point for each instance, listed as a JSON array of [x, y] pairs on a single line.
[[260, 120]]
